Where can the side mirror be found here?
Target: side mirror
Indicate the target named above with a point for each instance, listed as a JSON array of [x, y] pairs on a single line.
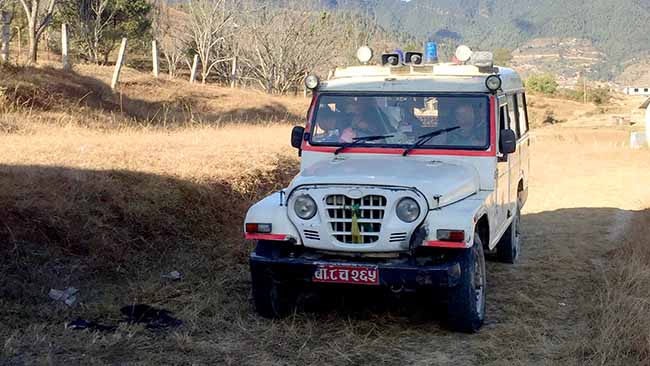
[[296, 136], [507, 142]]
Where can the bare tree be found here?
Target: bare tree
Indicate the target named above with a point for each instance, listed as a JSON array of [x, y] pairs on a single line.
[[209, 27], [169, 29], [39, 16], [282, 45]]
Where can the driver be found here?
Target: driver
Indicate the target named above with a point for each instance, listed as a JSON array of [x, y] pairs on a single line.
[[471, 131], [362, 123]]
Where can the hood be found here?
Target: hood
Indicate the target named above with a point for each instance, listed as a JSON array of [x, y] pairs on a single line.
[[447, 181]]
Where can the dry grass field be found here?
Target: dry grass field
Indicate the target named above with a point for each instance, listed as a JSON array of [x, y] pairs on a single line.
[[106, 193]]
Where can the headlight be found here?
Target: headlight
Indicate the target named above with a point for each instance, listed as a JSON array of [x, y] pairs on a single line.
[[408, 210], [305, 207]]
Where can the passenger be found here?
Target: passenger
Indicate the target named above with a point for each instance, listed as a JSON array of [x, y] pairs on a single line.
[[328, 131], [472, 129]]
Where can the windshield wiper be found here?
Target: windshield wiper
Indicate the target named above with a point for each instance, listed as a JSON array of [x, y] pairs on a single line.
[[358, 140], [427, 137]]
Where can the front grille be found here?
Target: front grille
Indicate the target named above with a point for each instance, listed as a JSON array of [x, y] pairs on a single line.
[[370, 214]]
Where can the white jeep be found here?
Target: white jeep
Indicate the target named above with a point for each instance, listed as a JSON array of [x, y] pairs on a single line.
[[410, 173]]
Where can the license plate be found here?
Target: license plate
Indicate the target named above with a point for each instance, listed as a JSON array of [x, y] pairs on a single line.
[[341, 273]]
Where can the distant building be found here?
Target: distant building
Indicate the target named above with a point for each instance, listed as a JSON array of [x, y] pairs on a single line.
[[637, 91]]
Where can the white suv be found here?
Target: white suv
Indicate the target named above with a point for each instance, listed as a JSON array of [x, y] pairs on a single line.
[[409, 174]]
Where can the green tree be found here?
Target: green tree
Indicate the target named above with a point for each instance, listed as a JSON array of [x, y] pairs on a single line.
[[96, 26], [542, 83]]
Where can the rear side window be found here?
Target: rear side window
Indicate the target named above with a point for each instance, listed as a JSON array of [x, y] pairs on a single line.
[[523, 113], [513, 112]]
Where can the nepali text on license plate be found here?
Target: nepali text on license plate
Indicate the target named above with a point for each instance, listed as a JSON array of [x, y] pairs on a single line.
[[341, 273]]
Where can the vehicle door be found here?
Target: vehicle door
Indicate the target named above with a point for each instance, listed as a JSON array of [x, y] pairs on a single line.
[[514, 159], [502, 173], [524, 141]]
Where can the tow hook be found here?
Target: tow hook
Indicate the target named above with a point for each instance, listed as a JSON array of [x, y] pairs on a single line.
[[397, 289]]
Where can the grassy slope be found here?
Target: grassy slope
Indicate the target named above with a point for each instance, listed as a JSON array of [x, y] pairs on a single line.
[[109, 208]]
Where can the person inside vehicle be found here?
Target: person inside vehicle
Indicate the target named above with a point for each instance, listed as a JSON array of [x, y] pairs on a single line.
[[472, 131], [327, 127], [364, 120]]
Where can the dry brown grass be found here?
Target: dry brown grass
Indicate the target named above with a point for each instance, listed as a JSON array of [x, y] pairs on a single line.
[[107, 210], [31, 98], [620, 328]]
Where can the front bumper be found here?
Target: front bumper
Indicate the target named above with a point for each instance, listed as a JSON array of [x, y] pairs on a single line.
[[391, 274]]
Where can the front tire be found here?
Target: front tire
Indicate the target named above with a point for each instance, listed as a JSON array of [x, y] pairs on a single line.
[[466, 305], [272, 298]]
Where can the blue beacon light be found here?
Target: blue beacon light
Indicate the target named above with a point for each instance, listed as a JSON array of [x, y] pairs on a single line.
[[430, 53]]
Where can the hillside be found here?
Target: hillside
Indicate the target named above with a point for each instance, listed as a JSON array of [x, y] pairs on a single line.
[[617, 28]]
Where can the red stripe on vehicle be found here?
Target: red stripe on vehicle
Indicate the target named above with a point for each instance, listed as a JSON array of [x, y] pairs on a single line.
[[253, 236], [443, 244]]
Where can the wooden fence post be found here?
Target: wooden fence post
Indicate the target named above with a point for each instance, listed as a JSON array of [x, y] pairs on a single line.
[[118, 64], [304, 87], [195, 64], [233, 72], [154, 56], [6, 35], [20, 45], [64, 47]]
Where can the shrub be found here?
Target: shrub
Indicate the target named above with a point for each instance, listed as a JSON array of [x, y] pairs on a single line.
[[542, 83], [598, 95]]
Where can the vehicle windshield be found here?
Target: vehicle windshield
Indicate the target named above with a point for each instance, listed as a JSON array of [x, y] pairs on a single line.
[[341, 119]]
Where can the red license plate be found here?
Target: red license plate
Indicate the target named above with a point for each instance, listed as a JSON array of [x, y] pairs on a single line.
[[341, 273]]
